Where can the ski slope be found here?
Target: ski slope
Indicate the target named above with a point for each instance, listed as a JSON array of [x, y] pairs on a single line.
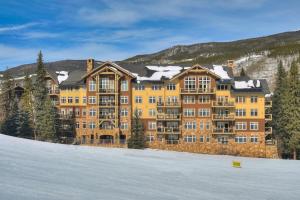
[[31, 170]]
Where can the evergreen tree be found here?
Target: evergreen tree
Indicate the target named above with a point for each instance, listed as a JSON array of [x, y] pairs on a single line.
[[48, 132], [25, 127], [279, 111], [293, 109], [243, 73], [137, 139]]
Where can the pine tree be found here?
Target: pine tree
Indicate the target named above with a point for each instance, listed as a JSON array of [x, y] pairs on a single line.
[[293, 109], [279, 107], [243, 73], [49, 132], [137, 139]]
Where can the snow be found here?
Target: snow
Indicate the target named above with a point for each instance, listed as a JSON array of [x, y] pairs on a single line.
[[219, 70], [160, 71], [62, 76], [32, 170], [246, 58], [269, 95], [246, 84]]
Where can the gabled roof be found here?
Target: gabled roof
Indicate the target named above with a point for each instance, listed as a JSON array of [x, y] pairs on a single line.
[[193, 68], [114, 65]]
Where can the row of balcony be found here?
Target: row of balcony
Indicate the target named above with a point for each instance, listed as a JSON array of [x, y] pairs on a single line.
[[197, 91], [168, 117], [53, 92]]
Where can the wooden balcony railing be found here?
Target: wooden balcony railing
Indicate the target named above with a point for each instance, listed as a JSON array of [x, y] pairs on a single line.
[[268, 117], [168, 130], [106, 116], [223, 104], [198, 91], [169, 104], [172, 141], [228, 117], [101, 90], [268, 130], [162, 116], [53, 92], [107, 103], [268, 103], [223, 131]]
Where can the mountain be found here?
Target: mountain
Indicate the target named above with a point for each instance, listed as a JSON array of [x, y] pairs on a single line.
[[258, 56]]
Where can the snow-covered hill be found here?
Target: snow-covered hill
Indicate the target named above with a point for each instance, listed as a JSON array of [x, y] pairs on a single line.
[[35, 170]]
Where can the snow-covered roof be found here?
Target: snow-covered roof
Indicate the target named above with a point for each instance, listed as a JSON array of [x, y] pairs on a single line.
[[62, 76], [246, 84], [219, 70], [159, 72]]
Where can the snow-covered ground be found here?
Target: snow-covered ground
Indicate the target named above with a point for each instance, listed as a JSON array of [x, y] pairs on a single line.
[[32, 170]]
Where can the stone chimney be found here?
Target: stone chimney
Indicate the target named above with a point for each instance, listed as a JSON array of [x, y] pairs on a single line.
[[230, 63], [89, 65]]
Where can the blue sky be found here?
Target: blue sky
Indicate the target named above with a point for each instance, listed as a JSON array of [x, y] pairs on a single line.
[[118, 29]]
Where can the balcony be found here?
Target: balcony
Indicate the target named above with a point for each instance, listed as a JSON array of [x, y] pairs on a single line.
[[107, 116], [268, 103], [226, 131], [172, 141], [268, 117], [53, 92], [268, 130], [225, 117], [107, 103], [169, 104], [66, 116], [168, 130], [168, 117], [198, 91], [107, 91], [223, 104]]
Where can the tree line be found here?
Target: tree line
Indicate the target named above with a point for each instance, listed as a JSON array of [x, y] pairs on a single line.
[[30, 115], [286, 110]]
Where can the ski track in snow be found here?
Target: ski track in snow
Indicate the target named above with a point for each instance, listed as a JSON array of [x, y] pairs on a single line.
[[32, 170]]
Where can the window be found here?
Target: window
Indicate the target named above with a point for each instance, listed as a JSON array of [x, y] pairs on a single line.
[[254, 139], [151, 125], [92, 125], [222, 87], [240, 99], [189, 99], [204, 99], [171, 86], [152, 99], [172, 99], [240, 139], [207, 125], [83, 112], [92, 100], [204, 112], [84, 125], [92, 112], [207, 139], [240, 112], [63, 100], [77, 111], [156, 87], [190, 83], [138, 99], [92, 85], [204, 83], [150, 138], [222, 140], [124, 99], [124, 112], [106, 84], [124, 85], [240, 125], [84, 100], [70, 99], [139, 112], [189, 112], [201, 125], [190, 125], [152, 112], [76, 99], [190, 138], [77, 125], [253, 112], [139, 87], [253, 99], [201, 138], [124, 126], [254, 126]]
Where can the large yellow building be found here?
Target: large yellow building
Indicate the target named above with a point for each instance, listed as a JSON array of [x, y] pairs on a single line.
[[196, 108]]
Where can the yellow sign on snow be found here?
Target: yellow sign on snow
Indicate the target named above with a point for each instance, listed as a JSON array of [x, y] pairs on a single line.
[[236, 164]]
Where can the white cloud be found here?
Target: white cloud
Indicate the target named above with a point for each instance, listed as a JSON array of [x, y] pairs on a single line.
[[16, 27], [39, 35]]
